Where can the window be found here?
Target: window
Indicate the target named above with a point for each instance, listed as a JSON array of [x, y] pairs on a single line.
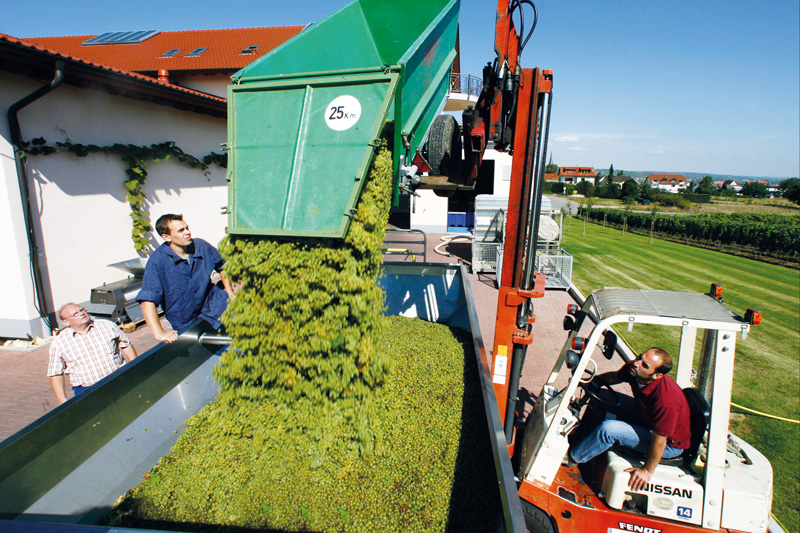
[[121, 37], [249, 50], [196, 52], [171, 53]]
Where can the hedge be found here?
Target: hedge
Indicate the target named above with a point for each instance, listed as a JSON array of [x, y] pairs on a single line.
[[776, 234]]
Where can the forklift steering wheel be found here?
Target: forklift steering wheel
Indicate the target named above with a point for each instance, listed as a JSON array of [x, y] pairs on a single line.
[[593, 390]]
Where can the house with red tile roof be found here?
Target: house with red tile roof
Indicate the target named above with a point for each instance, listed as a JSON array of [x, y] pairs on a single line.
[[68, 217], [576, 175], [203, 60], [731, 185], [668, 182]]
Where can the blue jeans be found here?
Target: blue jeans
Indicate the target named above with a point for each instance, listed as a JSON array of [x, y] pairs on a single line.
[[79, 390], [627, 429]]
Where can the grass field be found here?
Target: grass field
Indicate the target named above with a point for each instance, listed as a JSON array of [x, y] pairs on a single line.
[[767, 372]]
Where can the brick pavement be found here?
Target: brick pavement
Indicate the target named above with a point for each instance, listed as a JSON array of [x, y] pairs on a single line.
[[26, 395]]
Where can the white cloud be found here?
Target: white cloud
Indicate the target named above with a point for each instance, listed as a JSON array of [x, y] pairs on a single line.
[[568, 139]]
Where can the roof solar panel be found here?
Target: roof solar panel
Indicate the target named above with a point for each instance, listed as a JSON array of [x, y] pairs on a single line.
[[121, 37]]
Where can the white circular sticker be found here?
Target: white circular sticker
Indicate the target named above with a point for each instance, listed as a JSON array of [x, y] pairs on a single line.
[[342, 113]]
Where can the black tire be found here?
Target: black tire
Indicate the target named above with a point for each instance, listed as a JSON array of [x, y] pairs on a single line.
[[536, 520], [444, 147]]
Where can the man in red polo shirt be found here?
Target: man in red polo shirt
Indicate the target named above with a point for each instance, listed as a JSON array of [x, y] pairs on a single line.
[[655, 421]]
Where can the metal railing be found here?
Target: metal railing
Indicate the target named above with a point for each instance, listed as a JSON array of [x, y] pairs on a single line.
[[414, 241], [465, 84]]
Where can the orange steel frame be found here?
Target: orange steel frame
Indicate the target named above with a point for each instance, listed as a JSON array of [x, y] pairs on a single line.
[[512, 329]]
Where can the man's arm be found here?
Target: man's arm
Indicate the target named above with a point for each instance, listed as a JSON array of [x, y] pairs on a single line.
[[57, 383], [154, 323], [610, 378], [640, 477], [227, 284], [129, 353]]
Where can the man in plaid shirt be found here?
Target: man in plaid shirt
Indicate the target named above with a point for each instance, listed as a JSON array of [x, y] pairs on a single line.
[[87, 349]]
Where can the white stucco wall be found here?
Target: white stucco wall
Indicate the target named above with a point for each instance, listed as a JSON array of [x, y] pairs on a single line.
[[429, 212], [216, 84], [18, 317], [82, 216], [502, 171]]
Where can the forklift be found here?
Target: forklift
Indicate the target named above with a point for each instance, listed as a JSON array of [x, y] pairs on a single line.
[[720, 483]]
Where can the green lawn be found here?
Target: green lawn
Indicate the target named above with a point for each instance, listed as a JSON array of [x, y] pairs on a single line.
[[767, 373]]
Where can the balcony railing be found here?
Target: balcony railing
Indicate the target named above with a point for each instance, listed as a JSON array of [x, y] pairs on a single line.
[[465, 84]]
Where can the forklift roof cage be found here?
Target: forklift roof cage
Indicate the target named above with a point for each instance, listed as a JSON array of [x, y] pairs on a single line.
[[304, 119]]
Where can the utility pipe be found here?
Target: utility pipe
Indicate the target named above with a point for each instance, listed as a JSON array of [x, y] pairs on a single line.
[[16, 142]]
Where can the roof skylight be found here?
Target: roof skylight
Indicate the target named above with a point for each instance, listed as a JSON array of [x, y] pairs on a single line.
[[121, 37], [171, 53], [249, 50], [196, 52]]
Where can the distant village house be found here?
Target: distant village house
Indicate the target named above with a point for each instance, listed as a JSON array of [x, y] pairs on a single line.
[[575, 175], [668, 182]]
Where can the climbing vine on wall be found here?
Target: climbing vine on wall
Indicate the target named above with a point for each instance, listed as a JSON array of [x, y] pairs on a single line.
[[136, 159]]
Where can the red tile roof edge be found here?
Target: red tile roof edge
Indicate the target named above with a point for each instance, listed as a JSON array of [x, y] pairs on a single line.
[[141, 77], [88, 36], [222, 49]]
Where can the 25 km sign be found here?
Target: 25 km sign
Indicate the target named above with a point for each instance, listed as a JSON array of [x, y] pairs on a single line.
[[342, 113]]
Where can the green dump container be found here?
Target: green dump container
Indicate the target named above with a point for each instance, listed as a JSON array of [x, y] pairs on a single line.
[[304, 120]]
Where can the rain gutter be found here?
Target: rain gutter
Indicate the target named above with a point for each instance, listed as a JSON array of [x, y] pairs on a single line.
[[24, 190]]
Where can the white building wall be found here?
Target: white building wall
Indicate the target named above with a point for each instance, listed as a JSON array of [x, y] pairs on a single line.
[[216, 84], [502, 171], [82, 216], [18, 316], [429, 212]]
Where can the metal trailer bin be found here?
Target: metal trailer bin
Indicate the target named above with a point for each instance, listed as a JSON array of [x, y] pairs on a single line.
[[66, 469], [304, 119]]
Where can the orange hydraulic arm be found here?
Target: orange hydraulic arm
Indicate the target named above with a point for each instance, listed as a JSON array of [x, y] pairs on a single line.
[[512, 114]]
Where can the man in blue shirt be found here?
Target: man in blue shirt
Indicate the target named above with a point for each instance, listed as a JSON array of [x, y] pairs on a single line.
[[178, 278]]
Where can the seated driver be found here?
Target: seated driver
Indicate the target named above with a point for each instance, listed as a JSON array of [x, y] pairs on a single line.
[[654, 422]]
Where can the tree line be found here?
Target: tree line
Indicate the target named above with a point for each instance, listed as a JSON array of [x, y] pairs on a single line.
[[631, 191], [777, 235]]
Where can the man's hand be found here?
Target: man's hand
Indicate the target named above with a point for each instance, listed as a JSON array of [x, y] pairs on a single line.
[[166, 336], [639, 478], [129, 353], [227, 284], [154, 323]]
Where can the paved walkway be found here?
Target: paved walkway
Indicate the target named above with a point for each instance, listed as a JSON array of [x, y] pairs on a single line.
[[26, 394]]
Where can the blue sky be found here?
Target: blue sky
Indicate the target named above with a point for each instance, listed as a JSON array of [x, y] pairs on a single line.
[[691, 86]]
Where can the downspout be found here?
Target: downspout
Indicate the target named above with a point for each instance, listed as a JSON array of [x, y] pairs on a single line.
[[19, 159]]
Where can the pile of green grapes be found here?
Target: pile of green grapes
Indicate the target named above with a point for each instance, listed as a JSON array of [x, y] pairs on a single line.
[[305, 318], [434, 473], [330, 418]]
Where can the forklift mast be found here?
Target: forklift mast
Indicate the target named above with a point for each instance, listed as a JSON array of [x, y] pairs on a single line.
[[512, 115]]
